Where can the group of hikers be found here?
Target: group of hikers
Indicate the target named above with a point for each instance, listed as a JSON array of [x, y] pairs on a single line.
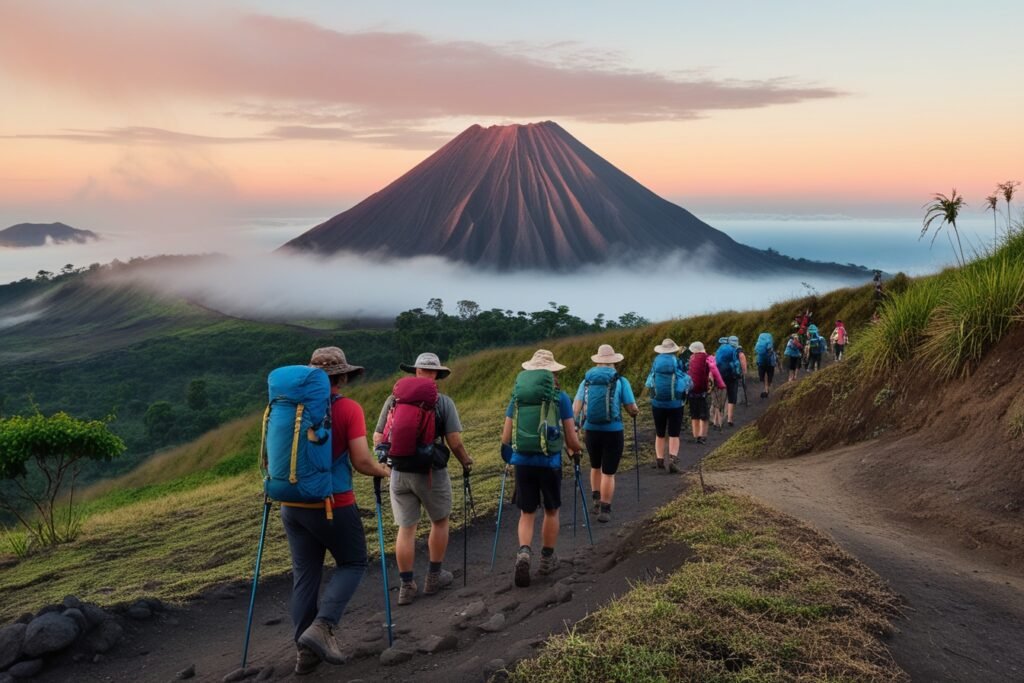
[[314, 436]]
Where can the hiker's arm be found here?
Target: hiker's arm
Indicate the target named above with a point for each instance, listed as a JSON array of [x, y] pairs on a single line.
[[632, 409], [506, 432], [571, 439], [577, 406], [359, 454], [454, 440], [743, 363]]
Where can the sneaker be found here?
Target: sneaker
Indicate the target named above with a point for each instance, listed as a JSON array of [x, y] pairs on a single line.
[[436, 581], [522, 570], [597, 506], [604, 516], [672, 467], [701, 441], [764, 394], [548, 564], [306, 661], [730, 424], [407, 593], [658, 464], [319, 638]]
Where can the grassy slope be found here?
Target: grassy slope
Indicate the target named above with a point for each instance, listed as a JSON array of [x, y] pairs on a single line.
[[142, 536], [763, 599]]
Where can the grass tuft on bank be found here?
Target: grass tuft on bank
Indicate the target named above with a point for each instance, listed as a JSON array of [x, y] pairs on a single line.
[[764, 599]]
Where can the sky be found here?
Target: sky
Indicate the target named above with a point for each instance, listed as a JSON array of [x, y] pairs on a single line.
[[186, 117]]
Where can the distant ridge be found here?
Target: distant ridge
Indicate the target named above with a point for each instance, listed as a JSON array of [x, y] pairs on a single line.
[[530, 196], [37, 235]]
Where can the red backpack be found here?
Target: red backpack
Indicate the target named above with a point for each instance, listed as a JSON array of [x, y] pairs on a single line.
[[411, 425]]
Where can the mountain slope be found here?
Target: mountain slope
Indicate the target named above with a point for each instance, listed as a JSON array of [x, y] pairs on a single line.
[[37, 235], [530, 196]]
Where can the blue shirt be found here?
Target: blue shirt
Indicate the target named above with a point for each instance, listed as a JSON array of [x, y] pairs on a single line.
[[540, 459], [623, 396]]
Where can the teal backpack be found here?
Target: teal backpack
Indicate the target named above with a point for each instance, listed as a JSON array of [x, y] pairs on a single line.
[[599, 396], [538, 426]]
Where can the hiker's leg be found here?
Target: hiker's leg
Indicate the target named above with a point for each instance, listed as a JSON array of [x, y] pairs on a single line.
[[405, 548], [307, 565], [615, 444], [437, 541], [673, 446], [526, 521], [405, 506], [438, 504], [595, 451], [528, 500], [347, 544], [695, 428], [659, 447], [549, 529], [550, 479]]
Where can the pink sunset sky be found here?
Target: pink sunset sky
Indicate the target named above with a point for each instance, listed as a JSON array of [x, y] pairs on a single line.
[[115, 111]]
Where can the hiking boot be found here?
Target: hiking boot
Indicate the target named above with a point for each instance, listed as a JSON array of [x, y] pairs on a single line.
[[604, 516], [658, 464], [764, 394], [522, 570], [407, 593], [548, 564], [702, 441], [597, 506], [436, 581], [730, 424], [319, 638], [672, 467], [306, 661]]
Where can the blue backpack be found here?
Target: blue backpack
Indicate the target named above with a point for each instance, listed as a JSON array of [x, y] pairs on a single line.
[[765, 349], [728, 361], [602, 403], [295, 445], [670, 383], [818, 344]]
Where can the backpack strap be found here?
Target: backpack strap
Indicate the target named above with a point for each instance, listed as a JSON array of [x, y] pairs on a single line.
[[293, 477], [264, 465]]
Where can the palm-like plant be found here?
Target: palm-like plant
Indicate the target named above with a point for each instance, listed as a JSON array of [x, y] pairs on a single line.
[[1008, 189], [991, 204], [945, 210]]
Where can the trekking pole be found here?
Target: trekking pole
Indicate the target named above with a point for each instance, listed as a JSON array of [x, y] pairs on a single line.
[[255, 579], [583, 497], [636, 457], [467, 506], [743, 383], [497, 524], [383, 561]]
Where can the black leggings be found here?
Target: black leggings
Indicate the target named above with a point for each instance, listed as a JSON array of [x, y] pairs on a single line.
[[605, 450], [668, 421]]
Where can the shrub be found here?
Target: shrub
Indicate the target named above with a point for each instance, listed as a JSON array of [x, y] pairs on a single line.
[[895, 338]]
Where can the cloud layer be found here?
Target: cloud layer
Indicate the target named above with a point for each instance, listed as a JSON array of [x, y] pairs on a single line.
[[374, 78]]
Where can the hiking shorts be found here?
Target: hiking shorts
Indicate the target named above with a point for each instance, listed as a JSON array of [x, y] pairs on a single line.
[[732, 390], [814, 361], [412, 490], [668, 421], [699, 407], [538, 484], [838, 349], [794, 363], [605, 450], [766, 373]]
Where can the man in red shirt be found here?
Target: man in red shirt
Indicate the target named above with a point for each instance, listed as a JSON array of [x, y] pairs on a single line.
[[311, 534]]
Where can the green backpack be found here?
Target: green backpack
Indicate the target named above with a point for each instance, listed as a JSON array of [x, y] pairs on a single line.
[[538, 424]]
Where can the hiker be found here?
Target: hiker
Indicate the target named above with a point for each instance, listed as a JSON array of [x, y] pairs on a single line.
[[816, 347], [727, 358], [840, 338], [705, 376], [767, 360], [794, 353], [599, 401], [420, 472], [538, 423], [311, 534], [668, 384]]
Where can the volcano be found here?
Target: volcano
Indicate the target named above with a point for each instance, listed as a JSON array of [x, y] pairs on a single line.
[[531, 197]]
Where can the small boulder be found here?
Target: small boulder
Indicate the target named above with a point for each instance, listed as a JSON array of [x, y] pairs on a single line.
[[492, 667], [467, 593], [494, 624], [94, 614], [396, 654], [272, 622], [50, 632], [105, 636], [25, 618], [6, 678], [186, 673], [372, 636], [473, 609], [75, 615], [11, 640], [154, 604], [434, 644], [50, 608], [139, 612], [26, 669], [266, 674], [563, 592], [240, 674], [71, 602]]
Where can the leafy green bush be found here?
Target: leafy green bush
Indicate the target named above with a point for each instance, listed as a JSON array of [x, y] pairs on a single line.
[[894, 339]]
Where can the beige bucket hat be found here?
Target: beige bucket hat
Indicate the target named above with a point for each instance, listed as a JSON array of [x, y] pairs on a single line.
[[427, 361], [331, 360], [543, 360], [697, 347], [606, 354], [667, 346]]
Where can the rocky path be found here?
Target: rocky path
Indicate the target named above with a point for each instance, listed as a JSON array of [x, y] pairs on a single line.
[[964, 617]]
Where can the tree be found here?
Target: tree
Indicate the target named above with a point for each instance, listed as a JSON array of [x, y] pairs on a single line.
[[43, 275], [68, 269], [55, 445], [633, 319], [991, 204], [1008, 189], [468, 309], [945, 210], [196, 396], [437, 306], [159, 421]]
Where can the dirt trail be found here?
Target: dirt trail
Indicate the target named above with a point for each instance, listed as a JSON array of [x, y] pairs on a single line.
[[965, 616], [208, 633]]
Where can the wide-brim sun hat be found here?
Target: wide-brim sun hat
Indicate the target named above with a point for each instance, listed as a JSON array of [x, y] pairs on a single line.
[[606, 354], [723, 340], [427, 361], [697, 347], [667, 346], [734, 340], [543, 360], [332, 360]]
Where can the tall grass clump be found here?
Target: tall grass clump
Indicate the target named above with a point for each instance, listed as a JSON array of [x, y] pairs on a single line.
[[979, 304], [895, 338]]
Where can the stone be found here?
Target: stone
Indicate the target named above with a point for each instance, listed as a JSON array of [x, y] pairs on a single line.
[[434, 644], [97, 658], [563, 592], [240, 674], [396, 654], [403, 630], [50, 632], [75, 615], [473, 609], [154, 604], [186, 673], [71, 602], [12, 638], [492, 667], [467, 593], [94, 614], [50, 608], [105, 636], [26, 669], [510, 605], [139, 613], [494, 624], [372, 636], [266, 674], [6, 678], [25, 618], [272, 622]]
